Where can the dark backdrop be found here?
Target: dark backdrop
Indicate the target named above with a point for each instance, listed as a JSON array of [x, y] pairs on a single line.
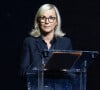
[[80, 20]]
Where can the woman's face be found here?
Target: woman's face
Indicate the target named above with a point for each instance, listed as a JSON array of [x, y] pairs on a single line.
[[48, 21]]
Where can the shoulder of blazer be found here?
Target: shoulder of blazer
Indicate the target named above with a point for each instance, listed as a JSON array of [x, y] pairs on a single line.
[[30, 39]]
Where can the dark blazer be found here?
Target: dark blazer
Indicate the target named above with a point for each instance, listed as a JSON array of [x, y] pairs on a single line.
[[32, 47]]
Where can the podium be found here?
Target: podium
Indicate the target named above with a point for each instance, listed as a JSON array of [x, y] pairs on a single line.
[[64, 70]]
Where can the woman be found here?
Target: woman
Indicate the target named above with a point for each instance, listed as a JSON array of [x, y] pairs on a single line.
[[46, 35]]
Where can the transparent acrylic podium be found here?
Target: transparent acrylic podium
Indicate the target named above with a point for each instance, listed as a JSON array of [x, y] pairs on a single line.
[[65, 70]]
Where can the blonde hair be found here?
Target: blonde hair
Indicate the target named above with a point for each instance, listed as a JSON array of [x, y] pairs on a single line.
[[36, 31]]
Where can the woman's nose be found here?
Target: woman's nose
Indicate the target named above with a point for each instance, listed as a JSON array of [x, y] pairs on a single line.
[[46, 20]]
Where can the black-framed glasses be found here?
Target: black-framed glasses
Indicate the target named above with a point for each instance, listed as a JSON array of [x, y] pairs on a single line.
[[43, 19]]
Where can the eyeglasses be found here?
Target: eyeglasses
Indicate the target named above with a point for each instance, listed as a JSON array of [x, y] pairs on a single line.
[[43, 19]]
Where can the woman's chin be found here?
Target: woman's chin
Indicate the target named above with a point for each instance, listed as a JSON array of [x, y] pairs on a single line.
[[47, 30]]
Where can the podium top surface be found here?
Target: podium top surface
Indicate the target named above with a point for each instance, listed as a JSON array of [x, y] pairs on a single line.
[[65, 59], [71, 51], [74, 52]]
